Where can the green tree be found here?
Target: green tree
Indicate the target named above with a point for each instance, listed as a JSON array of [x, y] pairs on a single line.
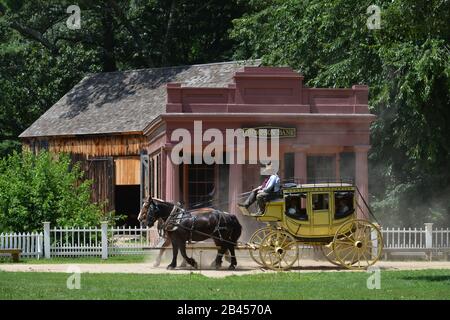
[[406, 65], [41, 59], [44, 187]]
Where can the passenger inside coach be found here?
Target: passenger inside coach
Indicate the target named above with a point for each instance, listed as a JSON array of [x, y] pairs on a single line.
[[296, 206], [344, 204]]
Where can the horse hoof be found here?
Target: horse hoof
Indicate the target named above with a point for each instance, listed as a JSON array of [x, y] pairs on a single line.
[[218, 266], [170, 267], [157, 263], [195, 265], [232, 267]]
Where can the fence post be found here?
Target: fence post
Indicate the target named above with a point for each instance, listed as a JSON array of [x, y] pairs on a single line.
[[428, 235], [374, 239], [104, 240], [47, 240]]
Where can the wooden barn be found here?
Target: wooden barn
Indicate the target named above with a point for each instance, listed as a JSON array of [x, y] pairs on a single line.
[[100, 123]]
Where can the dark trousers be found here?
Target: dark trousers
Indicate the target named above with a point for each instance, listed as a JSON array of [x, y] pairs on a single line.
[[250, 199], [261, 198]]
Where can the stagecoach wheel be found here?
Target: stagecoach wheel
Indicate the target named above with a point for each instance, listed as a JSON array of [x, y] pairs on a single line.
[[278, 250], [329, 254], [255, 242], [358, 244]]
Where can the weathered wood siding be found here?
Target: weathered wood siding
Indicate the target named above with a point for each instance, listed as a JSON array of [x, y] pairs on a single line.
[[100, 146], [92, 146], [127, 170], [101, 172]]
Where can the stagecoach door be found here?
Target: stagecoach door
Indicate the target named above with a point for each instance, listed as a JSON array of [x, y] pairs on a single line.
[[320, 205]]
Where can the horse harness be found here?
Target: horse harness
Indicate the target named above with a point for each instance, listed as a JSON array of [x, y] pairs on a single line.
[[178, 214]]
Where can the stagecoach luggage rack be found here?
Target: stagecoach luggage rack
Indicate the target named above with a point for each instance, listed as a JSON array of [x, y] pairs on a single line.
[[326, 182]]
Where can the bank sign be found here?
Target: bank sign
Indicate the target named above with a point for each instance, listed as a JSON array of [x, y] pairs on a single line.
[[266, 131]]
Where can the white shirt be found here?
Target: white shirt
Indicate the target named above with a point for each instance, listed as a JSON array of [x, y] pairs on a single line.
[[274, 181]]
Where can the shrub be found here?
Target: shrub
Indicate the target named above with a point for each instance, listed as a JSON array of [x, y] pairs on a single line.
[[44, 187]]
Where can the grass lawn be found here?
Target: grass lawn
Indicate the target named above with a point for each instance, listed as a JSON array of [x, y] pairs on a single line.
[[420, 284], [59, 260]]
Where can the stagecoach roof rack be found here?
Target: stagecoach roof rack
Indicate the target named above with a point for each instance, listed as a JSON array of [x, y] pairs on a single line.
[[318, 183]]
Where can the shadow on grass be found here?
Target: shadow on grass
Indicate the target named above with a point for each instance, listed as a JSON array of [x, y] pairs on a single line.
[[238, 269], [428, 278]]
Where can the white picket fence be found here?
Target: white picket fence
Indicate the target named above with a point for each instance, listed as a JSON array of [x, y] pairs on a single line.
[[30, 243], [106, 241], [78, 242], [102, 242], [416, 238]]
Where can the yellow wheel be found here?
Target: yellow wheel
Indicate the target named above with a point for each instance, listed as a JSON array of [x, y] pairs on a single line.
[[329, 254], [255, 242], [278, 250], [357, 244]]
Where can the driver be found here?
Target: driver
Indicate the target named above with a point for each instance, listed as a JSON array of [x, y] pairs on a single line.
[[266, 191]]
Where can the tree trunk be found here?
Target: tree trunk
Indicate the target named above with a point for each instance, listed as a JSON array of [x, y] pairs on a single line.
[[109, 60]]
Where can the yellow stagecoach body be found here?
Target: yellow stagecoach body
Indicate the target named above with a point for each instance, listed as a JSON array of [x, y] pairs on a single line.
[[311, 211]]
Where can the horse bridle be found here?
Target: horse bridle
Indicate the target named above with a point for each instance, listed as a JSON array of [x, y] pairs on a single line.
[[154, 209]]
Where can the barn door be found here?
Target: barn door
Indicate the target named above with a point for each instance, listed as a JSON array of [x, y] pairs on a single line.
[[145, 175], [101, 172]]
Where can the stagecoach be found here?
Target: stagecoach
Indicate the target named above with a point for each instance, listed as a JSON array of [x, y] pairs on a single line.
[[321, 215]]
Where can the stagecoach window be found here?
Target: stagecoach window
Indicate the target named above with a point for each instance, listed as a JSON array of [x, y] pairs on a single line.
[[343, 202], [296, 206], [320, 201]]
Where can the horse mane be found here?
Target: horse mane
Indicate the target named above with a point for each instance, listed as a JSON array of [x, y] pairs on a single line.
[[163, 202]]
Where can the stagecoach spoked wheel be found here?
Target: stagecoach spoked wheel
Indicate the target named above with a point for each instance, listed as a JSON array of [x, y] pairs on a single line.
[[329, 254], [357, 244], [278, 250], [255, 242]]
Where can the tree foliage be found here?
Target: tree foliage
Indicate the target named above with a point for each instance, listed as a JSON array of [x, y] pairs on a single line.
[[406, 65], [41, 58], [44, 187]]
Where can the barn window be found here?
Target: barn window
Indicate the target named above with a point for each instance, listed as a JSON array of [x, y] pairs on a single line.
[[43, 145]]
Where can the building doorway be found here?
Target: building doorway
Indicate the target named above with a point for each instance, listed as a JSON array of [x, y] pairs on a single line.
[[127, 200], [127, 189]]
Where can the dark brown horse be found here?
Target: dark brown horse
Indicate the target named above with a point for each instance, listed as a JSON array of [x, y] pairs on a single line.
[[194, 225]]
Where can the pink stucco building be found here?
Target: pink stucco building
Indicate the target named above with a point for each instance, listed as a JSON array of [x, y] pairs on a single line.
[[328, 132]]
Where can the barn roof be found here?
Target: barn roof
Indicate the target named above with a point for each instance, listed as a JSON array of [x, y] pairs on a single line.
[[124, 101]]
